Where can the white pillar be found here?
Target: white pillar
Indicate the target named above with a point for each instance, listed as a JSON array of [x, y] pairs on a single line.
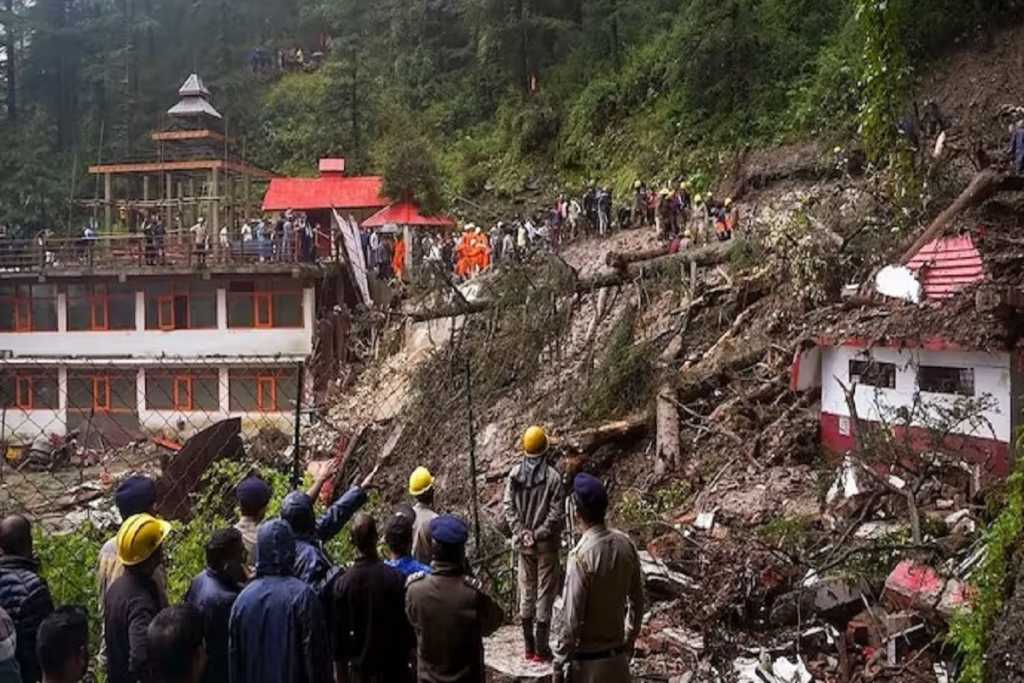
[[62, 311], [222, 309], [225, 396], [140, 393], [140, 311], [308, 313]]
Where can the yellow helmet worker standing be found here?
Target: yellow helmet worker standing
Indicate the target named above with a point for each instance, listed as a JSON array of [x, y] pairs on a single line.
[[140, 536], [535, 441], [421, 487], [533, 508]]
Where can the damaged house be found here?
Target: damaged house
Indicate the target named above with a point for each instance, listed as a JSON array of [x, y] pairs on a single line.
[[949, 354]]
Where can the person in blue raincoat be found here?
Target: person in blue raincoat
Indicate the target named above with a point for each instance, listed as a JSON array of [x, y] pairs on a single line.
[[312, 563], [277, 630]]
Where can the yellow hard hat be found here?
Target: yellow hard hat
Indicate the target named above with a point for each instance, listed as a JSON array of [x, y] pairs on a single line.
[[696, 199], [728, 201], [420, 481], [535, 441], [637, 184], [139, 538]]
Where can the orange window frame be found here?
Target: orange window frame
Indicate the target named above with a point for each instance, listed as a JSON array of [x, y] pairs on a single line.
[[164, 303], [263, 302], [24, 392], [264, 382], [183, 398], [22, 315], [99, 303], [101, 393]]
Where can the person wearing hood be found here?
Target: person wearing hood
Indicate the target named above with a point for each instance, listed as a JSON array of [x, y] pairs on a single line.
[[312, 563], [533, 508], [24, 593], [277, 630], [213, 592]]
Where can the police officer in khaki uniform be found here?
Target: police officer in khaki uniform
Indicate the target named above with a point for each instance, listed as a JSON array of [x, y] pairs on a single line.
[[449, 611], [602, 578], [533, 508]]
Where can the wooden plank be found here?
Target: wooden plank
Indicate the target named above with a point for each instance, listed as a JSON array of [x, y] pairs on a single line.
[[196, 165], [172, 135]]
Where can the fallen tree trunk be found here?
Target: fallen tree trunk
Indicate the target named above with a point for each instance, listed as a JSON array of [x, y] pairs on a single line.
[[589, 440], [985, 184], [667, 431]]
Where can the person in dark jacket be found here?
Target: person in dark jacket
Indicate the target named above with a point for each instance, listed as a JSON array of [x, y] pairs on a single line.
[[277, 632], [312, 563], [534, 504], [370, 627], [24, 594], [213, 593], [10, 672], [449, 611], [62, 645], [134, 599], [177, 646]]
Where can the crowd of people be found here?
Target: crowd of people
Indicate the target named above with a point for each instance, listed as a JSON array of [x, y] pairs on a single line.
[[681, 219], [272, 606]]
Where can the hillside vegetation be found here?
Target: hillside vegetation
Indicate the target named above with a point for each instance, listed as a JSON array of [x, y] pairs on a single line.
[[494, 91]]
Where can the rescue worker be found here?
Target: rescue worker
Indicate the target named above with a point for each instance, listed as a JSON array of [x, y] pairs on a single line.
[[603, 577], [134, 599], [24, 593], [398, 536], [398, 259], [277, 630], [62, 646], [253, 496], [449, 611], [312, 563], [370, 627], [213, 593], [178, 646], [533, 509], [421, 488]]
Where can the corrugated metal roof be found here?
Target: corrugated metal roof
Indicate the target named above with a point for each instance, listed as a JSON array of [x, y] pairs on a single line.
[[405, 213], [947, 265], [339, 192], [190, 106]]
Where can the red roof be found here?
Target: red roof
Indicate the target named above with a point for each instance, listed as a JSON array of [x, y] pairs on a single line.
[[405, 213], [947, 265], [337, 192]]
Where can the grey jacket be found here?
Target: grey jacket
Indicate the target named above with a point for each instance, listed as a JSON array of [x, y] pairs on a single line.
[[535, 501]]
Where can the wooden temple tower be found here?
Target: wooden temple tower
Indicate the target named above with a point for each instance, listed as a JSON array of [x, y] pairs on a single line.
[[195, 171]]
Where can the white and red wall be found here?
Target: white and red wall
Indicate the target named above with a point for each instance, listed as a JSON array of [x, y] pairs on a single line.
[[996, 375]]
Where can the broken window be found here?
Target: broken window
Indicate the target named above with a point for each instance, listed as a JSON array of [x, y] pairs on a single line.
[[28, 308], [262, 390], [100, 307], [183, 390], [873, 373], [181, 306], [264, 304], [29, 389], [939, 380]]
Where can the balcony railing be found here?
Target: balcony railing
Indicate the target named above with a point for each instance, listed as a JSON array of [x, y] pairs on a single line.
[[175, 250]]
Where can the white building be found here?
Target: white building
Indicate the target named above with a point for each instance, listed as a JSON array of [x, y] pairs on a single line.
[[959, 347], [159, 350]]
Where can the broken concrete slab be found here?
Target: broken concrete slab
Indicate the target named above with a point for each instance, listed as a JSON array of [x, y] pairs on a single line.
[[835, 599], [917, 586], [661, 582], [503, 656]]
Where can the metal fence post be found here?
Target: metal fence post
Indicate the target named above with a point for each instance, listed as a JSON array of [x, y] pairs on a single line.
[[296, 448]]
